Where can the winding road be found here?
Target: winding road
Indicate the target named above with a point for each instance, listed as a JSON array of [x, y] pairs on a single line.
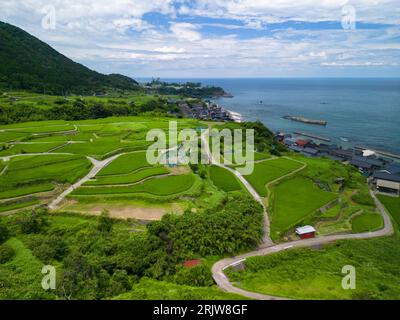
[[268, 247]]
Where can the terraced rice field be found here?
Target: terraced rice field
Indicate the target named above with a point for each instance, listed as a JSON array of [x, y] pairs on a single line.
[[164, 186], [224, 179], [367, 222], [270, 170], [293, 201], [62, 148], [33, 174]]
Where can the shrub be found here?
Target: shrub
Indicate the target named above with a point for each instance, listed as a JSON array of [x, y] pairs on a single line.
[[32, 221], [6, 253], [364, 199]]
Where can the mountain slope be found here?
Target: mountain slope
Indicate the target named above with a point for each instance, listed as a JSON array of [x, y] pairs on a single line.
[[30, 64]]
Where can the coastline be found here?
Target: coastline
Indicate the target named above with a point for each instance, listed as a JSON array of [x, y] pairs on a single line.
[[237, 117]]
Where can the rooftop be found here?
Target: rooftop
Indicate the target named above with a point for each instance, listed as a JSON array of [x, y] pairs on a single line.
[[305, 229], [387, 176]]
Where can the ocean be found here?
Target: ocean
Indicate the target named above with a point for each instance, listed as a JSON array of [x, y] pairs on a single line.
[[360, 112]]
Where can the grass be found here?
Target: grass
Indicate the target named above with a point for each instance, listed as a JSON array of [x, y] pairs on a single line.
[[293, 201], [128, 178], [126, 163], [167, 186], [367, 222], [25, 190], [150, 289], [392, 204], [224, 179], [317, 273], [31, 169], [267, 171], [24, 271], [29, 148], [14, 205]]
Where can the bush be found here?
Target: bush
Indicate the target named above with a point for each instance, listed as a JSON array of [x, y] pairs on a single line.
[[363, 199], [46, 249], [6, 253], [4, 234], [32, 221], [198, 276]]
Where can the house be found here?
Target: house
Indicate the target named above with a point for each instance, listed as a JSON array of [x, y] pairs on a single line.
[[289, 141], [386, 182], [296, 148], [302, 142], [376, 163], [362, 166], [308, 151], [345, 155], [392, 168], [306, 232]]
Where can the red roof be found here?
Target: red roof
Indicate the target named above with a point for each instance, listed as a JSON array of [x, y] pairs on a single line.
[[301, 142], [191, 263]]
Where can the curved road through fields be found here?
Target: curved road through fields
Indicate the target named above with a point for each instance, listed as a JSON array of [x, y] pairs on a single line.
[[268, 248]]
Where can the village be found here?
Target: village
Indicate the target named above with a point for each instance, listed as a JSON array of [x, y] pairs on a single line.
[[205, 110], [382, 171]]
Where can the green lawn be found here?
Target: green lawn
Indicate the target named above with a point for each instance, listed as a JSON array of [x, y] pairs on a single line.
[[224, 179], [316, 273], [268, 171], [293, 201], [392, 204], [367, 222]]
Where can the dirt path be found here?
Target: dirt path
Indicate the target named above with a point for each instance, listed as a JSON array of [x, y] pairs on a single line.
[[224, 283]]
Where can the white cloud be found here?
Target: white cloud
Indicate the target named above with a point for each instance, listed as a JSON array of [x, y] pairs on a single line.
[[115, 35], [166, 49], [185, 31]]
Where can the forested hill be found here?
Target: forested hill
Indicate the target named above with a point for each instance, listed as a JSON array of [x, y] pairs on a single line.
[[30, 64]]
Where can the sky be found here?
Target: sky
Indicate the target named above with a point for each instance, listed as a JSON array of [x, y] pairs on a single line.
[[219, 38]]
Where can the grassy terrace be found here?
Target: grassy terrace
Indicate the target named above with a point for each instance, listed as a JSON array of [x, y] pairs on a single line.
[[165, 186], [270, 170], [294, 200], [33, 174], [224, 179], [392, 204]]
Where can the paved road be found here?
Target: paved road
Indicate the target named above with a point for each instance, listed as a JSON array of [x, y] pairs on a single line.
[[266, 239], [97, 166], [224, 283]]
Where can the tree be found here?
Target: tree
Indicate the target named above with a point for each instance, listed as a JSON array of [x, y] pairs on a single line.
[[105, 222], [33, 221]]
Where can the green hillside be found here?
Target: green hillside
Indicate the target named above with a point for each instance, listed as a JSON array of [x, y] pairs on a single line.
[[30, 64]]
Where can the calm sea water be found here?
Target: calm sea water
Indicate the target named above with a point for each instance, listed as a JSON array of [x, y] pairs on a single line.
[[366, 112]]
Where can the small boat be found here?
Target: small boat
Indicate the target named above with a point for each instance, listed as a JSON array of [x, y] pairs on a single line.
[[344, 139]]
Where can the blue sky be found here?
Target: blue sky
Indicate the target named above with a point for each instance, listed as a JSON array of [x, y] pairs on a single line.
[[219, 38]]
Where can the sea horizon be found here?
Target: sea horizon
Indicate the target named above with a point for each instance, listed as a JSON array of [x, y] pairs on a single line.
[[373, 102]]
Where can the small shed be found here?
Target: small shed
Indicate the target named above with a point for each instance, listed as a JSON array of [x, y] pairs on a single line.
[[306, 232]]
